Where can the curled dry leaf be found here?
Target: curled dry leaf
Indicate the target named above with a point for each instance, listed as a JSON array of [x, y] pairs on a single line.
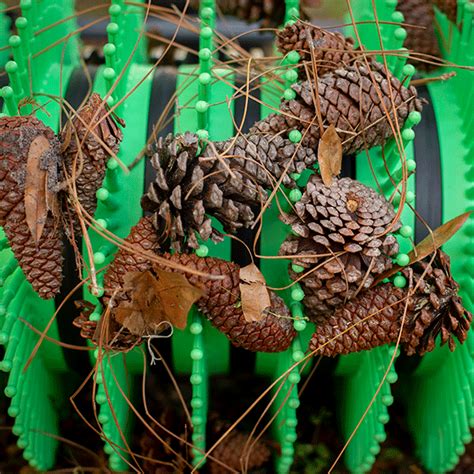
[[154, 298], [430, 243], [330, 155], [38, 197], [254, 293]]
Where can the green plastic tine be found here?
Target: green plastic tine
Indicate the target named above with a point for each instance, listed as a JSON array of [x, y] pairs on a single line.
[[8, 96], [15, 80]]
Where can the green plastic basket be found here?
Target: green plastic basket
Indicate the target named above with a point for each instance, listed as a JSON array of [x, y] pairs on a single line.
[[438, 394]]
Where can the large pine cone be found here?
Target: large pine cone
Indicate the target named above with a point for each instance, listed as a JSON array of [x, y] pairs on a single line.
[[448, 7], [269, 13], [230, 451], [420, 40], [433, 309], [95, 134], [41, 261], [331, 50], [349, 100], [221, 305], [341, 239], [190, 189]]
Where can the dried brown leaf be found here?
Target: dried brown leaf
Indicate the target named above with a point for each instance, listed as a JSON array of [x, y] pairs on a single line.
[[329, 155], [37, 196], [430, 244], [177, 295], [166, 296], [254, 293]]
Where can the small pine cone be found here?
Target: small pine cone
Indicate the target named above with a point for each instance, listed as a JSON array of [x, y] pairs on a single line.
[[96, 133], [269, 13], [341, 237], [420, 40], [231, 452], [221, 304], [40, 261], [448, 7], [433, 309], [437, 308], [265, 159], [188, 189], [114, 337], [349, 100], [331, 50]]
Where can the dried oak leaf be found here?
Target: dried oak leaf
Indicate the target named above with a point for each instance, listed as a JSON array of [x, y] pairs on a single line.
[[39, 199], [254, 293], [154, 298], [329, 155], [430, 243]]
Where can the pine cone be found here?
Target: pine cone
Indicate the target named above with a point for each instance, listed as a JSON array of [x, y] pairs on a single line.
[[435, 308], [115, 337], [189, 189], [270, 13], [231, 452], [341, 238], [420, 40], [96, 134], [265, 159], [221, 305], [349, 100], [330, 50], [40, 261], [448, 7]]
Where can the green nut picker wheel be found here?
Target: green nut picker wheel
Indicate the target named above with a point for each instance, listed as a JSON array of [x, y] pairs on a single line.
[[44, 74]]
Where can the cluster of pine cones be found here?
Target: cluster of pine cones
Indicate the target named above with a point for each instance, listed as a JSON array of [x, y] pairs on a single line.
[[341, 238], [48, 185]]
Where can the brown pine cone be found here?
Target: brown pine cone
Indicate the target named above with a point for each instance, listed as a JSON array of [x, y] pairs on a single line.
[[231, 452], [227, 182], [221, 304], [349, 100], [41, 261], [437, 308], [331, 50], [115, 337], [269, 13], [420, 40], [264, 159], [448, 7], [340, 234], [433, 309], [95, 134]]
